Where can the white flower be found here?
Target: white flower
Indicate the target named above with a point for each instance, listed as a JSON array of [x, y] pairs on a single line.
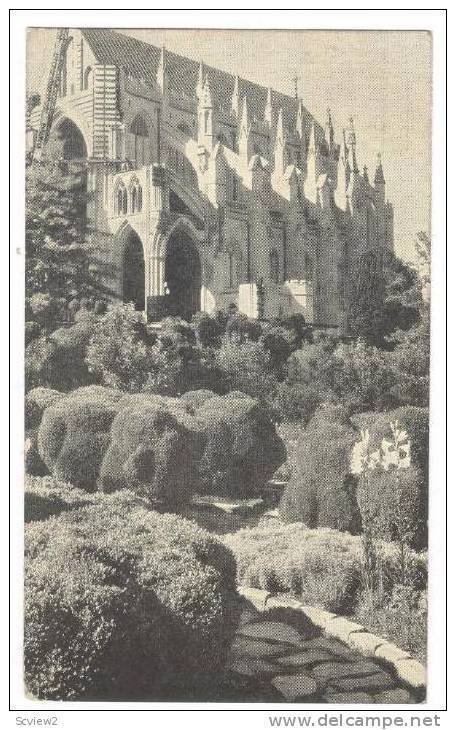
[[360, 454]]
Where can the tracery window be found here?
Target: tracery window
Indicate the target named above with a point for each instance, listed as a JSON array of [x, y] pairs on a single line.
[[120, 200]]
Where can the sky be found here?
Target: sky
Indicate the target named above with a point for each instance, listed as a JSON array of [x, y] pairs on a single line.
[[381, 78]]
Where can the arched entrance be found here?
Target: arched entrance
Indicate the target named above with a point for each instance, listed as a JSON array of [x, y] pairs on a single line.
[[66, 142], [183, 276], [133, 284]]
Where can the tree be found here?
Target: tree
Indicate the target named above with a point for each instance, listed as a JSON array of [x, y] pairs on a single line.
[[385, 296], [60, 263]]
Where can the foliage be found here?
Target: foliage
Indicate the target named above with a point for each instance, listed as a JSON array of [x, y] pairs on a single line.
[[240, 328], [119, 352], [74, 434], [59, 263], [44, 496], [321, 491], [36, 401], [154, 450], [32, 330], [402, 618], [385, 296], [278, 343], [58, 360], [296, 401], [361, 376], [208, 329], [242, 449], [398, 500], [245, 365], [322, 567], [127, 618]]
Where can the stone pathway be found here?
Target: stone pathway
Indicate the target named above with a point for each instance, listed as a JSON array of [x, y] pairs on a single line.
[[287, 658]]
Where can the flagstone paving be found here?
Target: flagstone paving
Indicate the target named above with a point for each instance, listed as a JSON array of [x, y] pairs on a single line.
[[294, 661]]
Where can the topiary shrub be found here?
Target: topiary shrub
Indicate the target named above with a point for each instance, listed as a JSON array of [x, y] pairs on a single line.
[[296, 401], [36, 402], [121, 601], [58, 361], [74, 434], [32, 330], [45, 496], [154, 450], [208, 329], [322, 491], [398, 498], [242, 449], [193, 399]]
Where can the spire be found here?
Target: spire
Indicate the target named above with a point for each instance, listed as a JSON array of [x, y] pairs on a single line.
[[329, 130], [314, 166], [162, 76], [235, 99], [301, 131], [206, 97], [279, 131], [245, 142], [343, 176], [351, 142], [268, 110], [200, 82], [379, 178], [366, 174]]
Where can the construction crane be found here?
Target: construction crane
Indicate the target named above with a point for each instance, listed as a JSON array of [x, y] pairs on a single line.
[[52, 89]]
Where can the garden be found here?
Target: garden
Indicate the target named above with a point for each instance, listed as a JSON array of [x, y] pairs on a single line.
[[170, 469]]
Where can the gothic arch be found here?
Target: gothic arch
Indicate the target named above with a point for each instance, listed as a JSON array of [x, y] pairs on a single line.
[[182, 272], [78, 126], [132, 266]]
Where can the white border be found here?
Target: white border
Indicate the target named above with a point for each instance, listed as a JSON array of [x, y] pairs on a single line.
[[362, 18]]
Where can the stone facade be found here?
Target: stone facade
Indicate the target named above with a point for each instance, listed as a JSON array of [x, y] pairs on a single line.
[[208, 190]]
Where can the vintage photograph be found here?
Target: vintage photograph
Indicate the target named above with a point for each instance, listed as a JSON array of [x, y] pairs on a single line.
[[227, 326]]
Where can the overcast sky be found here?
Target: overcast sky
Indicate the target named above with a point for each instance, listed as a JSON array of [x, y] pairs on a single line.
[[381, 78]]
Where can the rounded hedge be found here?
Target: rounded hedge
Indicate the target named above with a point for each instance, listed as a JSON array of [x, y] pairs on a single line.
[[399, 498], [322, 491], [74, 434], [154, 450], [44, 496], [242, 448], [149, 600]]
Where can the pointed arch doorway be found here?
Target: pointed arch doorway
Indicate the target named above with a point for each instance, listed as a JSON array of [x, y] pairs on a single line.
[[182, 276], [133, 272]]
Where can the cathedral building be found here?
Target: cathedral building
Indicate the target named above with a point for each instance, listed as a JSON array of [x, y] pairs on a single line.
[[208, 190]]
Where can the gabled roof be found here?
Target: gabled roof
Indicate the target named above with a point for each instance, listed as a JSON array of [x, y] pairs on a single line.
[[142, 60]]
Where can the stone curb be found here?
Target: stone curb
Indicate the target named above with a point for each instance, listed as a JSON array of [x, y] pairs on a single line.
[[408, 670]]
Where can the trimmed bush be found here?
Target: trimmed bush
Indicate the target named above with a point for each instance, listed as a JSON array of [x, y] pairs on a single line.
[[58, 361], [74, 434], [245, 366], [149, 600], [322, 491], [155, 448], [398, 499], [45, 497], [321, 567], [242, 448], [36, 402]]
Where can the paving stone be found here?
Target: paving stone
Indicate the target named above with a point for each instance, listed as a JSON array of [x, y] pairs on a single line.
[[390, 653], [370, 683], [243, 646], [271, 631], [303, 658], [333, 646], [364, 642], [397, 696], [295, 686], [248, 615], [333, 670], [252, 666], [411, 672], [348, 698]]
